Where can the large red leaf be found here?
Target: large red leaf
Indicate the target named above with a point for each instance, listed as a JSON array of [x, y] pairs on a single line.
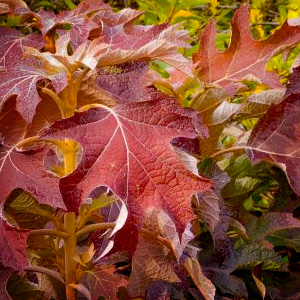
[[12, 246], [25, 169], [11, 45], [22, 79], [245, 56], [128, 149]]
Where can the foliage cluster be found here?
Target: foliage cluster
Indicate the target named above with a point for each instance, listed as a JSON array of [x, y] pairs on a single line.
[[132, 170]]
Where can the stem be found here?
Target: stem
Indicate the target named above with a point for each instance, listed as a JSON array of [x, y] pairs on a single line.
[[93, 105], [53, 232], [57, 100], [94, 227], [70, 251], [228, 150], [46, 271], [69, 97], [70, 152], [28, 141]]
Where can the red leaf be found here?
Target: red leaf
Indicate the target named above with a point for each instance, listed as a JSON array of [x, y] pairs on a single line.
[[276, 138], [102, 281], [132, 155], [17, 171], [245, 56], [81, 24], [127, 42], [11, 45], [111, 84], [17, 7], [12, 246], [22, 79]]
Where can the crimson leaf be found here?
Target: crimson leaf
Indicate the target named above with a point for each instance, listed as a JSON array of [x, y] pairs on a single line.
[[11, 45], [131, 153]]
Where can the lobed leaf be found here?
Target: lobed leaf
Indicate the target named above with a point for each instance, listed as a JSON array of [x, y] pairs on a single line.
[[244, 56], [22, 79], [132, 155]]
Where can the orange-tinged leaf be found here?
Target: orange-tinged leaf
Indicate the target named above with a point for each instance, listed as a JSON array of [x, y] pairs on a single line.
[[204, 285], [244, 56]]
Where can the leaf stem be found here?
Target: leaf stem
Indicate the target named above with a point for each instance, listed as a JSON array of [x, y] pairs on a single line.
[[57, 100], [46, 271], [52, 232], [94, 227], [93, 105], [28, 141], [228, 150]]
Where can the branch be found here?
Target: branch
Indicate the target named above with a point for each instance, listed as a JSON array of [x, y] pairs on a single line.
[[49, 272], [94, 227], [52, 232]]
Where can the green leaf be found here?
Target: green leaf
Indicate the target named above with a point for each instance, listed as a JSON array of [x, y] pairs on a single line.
[[19, 288], [22, 209]]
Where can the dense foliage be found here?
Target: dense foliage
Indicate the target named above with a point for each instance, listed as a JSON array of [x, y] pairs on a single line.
[[149, 156]]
